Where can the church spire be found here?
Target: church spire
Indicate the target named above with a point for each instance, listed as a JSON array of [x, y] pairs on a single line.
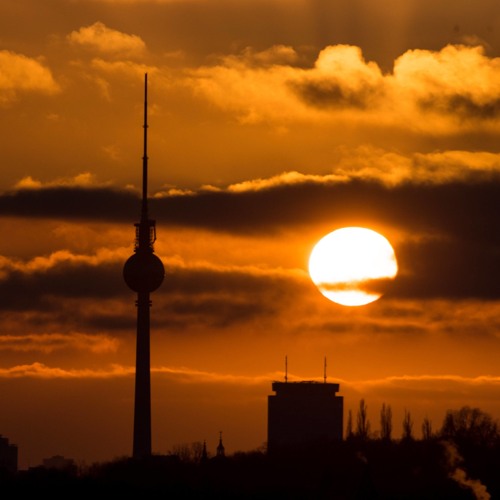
[[221, 451]]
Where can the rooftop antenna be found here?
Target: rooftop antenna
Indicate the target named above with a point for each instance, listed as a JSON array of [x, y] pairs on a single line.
[[286, 369], [324, 372]]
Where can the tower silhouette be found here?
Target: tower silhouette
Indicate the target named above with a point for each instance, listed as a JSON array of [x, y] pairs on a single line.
[[143, 273]]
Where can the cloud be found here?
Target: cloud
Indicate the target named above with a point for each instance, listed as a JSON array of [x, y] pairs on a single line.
[[285, 179], [445, 249], [127, 68], [457, 81], [73, 291], [180, 374], [39, 370], [387, 167], [440, 167], [19, 73], [225, 296], [364, 164], [425, 392], [427, 382], [446, 91], [100, 38], [184, 374], [341, 79], [47, 284], [266, 86], [191, 375], [83, 180], [50, 342], [72, 201], [58, 259], [277, 54]]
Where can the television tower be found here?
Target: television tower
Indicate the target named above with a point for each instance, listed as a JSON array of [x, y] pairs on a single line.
[[143, 273]]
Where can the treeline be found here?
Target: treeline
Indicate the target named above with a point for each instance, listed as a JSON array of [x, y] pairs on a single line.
[[465, 424], [460, 460]]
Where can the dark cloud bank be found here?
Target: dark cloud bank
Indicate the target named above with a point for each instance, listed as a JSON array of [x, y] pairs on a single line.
[[458, 210], [453, 251]]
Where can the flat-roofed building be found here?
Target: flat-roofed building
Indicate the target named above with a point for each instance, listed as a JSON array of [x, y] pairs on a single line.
[[8, 455], [304, 413]]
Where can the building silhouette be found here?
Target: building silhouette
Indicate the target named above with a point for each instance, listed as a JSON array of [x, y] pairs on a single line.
[[143, 272], [221, 451], [303, 413], [8, 455], [58, 462]]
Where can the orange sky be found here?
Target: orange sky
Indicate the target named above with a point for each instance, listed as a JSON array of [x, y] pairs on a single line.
[[272, 123]]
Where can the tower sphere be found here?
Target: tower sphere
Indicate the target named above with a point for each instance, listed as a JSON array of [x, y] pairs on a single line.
[[143, 272]]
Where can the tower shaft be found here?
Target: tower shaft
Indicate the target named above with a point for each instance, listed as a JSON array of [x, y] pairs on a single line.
[[142, 405]]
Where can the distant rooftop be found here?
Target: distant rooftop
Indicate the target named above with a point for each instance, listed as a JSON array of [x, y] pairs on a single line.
[[305, 386]]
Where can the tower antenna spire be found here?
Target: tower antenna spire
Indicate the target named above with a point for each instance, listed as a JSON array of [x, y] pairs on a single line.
[[286, 369], [324, 371], [144, 212]]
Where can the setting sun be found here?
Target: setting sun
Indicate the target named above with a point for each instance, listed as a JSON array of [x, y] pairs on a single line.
[[349, 265]]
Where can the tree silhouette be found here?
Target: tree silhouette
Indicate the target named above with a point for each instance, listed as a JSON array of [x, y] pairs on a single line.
[[407, 426], [188, 452], [386, 422], [426, 429], [362, 422], [349, 431], [471, 425]]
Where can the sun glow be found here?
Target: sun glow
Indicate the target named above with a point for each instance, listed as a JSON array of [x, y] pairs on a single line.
[[351, 265]]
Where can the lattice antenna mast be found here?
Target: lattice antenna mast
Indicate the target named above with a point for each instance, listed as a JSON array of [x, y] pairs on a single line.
[[144, 212], [146, 228]]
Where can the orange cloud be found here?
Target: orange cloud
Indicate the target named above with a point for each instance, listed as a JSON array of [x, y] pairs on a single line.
[[190, 375], [181, 374], [373, 164], [128, 68], [285, 92], [392, 168], [39, 370], [108, 41], [19, 73], [427, 382], [457, 80], [50, 342], [286, 178], [61, 257], [277, 54], [435, 91], [85, 179]]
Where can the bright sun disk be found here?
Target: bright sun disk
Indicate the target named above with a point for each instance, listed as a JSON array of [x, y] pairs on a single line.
[[350, 265]]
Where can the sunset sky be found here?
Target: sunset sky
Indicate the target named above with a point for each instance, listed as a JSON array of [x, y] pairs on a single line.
[[272, 123]]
